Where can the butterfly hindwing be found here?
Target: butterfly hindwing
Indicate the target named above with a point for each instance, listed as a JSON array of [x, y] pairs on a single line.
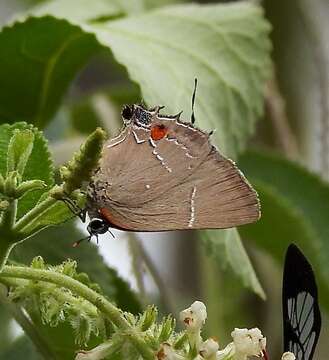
[[301, 313]]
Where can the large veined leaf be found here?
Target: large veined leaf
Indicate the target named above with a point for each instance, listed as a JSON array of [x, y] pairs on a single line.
[[295, 208], [225, 46], [79, 10]]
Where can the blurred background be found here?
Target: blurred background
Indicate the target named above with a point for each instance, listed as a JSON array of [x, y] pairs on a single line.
[[283, 148]]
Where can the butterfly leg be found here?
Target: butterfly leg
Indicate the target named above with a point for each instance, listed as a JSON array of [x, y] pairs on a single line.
[[75, 208]]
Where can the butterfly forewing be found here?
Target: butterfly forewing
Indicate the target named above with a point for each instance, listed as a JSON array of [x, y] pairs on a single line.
[[301, 313]]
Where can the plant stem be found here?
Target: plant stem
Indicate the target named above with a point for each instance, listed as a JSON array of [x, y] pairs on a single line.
[[276, 110], [108, 309], [7, 237], [28, 328], [9, 217], [137, 265], [33, 214], [5, 249]]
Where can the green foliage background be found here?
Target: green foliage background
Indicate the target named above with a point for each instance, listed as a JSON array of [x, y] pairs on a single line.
[[67, 67]]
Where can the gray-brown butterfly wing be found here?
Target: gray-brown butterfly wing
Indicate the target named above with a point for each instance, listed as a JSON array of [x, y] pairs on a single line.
[[135, 169], [177, 182]]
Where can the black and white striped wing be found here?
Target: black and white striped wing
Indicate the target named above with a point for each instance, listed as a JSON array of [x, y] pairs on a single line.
[[301, 313]]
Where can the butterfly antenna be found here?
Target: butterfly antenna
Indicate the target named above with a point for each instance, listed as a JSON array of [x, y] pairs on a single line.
[[193, 100], [77, 243]]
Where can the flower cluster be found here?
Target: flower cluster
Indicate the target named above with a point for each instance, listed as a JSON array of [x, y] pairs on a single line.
[[246, 342]]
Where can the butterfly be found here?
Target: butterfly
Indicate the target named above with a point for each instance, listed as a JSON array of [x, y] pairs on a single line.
[[301, 312], [161, 173]]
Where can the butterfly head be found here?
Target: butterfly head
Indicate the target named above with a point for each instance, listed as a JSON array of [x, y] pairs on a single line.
[[97, 226]]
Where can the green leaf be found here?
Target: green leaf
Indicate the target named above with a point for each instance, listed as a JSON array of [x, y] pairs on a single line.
[[295, 208], [149, 4], [79, 10], [225, 46], [19, 150], [38, 166], [38, 60], [227, 249]]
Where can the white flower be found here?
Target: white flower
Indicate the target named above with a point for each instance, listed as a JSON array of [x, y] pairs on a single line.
[[194, 316], [166, 352], [248, 342], [208, 349], [288, 356], [226, 353]]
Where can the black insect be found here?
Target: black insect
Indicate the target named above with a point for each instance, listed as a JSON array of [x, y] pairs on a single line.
[[301, 313]]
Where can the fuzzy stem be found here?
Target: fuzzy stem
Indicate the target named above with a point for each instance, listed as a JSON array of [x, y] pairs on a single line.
[[33, 213], [108, 309], [61, 296], [9, 217]]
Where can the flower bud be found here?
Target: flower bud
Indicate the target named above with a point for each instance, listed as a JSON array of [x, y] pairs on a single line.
[[248, 342], [288, 356], [209, 349], [226, 353], [149, 317], [194, 316], [167, 328]]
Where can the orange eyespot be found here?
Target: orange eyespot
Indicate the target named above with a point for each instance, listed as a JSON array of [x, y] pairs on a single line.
[[158, 132]]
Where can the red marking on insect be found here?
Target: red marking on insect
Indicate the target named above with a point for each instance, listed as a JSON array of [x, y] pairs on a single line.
[[106, 214], [158, 132]]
